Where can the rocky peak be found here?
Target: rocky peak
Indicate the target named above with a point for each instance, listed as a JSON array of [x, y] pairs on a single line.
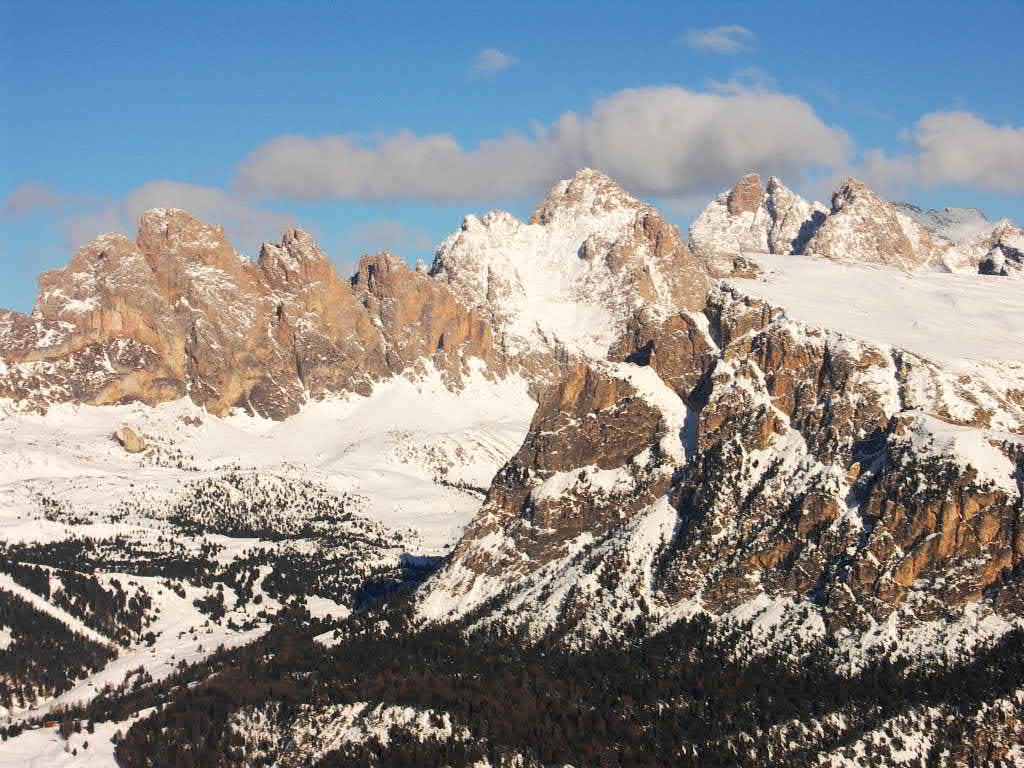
[[101, 273], [849, 191], [794, 219], [376, 268], [297, 258], [750, 218], [569, 280], [174, 240], [105, 254], [178, 312], [865, 228], [589, 193], [746, 196], [1003, 250], [301, 245], [172, 231]]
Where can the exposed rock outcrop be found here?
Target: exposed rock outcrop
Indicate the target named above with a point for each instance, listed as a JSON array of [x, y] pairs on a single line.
[[177, 312], [862, 227], [1001, 252], [569, 280], [130, 440], [694, 448], [859, 227]]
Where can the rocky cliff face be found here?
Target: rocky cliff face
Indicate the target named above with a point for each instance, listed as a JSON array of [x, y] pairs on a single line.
[[570, 279], [1001, 251], [177, 312], [863, 227], [694, 448]]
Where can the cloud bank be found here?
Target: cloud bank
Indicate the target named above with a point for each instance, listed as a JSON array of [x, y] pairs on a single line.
[[658, 141], [662, 142], [30, 198]]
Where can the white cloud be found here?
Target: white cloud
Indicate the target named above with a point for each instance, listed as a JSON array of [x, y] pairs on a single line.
[[953, 149], [246, 225], [491, 61], [389, 235], [729, 38], [961, 148], [658, 141]]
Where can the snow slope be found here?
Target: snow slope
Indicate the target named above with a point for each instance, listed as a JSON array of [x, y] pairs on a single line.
[[943, 317], [391, 447], [44, 747]]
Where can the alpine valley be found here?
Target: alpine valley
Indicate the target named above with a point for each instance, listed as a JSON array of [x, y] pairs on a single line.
[[585, 492]]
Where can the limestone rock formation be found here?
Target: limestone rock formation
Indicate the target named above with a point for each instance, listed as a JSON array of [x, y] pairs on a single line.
[[1001, 251], [694, 448], [754, 464], [859, 227], [863, 227]]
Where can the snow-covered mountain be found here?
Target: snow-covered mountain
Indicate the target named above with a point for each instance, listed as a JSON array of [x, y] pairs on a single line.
[[796, 436]]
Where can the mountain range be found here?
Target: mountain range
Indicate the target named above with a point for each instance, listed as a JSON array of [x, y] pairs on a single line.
[[792, 440]]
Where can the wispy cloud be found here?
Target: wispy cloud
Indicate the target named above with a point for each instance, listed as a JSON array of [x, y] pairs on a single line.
[[729, 38], [490, 61], [658, 141], [32, 197], [744, 81]]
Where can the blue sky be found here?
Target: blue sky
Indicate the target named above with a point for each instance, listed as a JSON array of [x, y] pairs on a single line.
[[111, 106]]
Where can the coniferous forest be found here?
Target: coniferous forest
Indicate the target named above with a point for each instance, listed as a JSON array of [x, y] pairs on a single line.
[[671, 698]]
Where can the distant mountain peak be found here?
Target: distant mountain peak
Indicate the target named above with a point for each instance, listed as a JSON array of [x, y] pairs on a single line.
[[959, 225], [752, 217], [587, 193]]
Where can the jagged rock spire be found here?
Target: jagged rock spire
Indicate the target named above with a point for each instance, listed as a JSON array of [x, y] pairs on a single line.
[[746, 196]]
